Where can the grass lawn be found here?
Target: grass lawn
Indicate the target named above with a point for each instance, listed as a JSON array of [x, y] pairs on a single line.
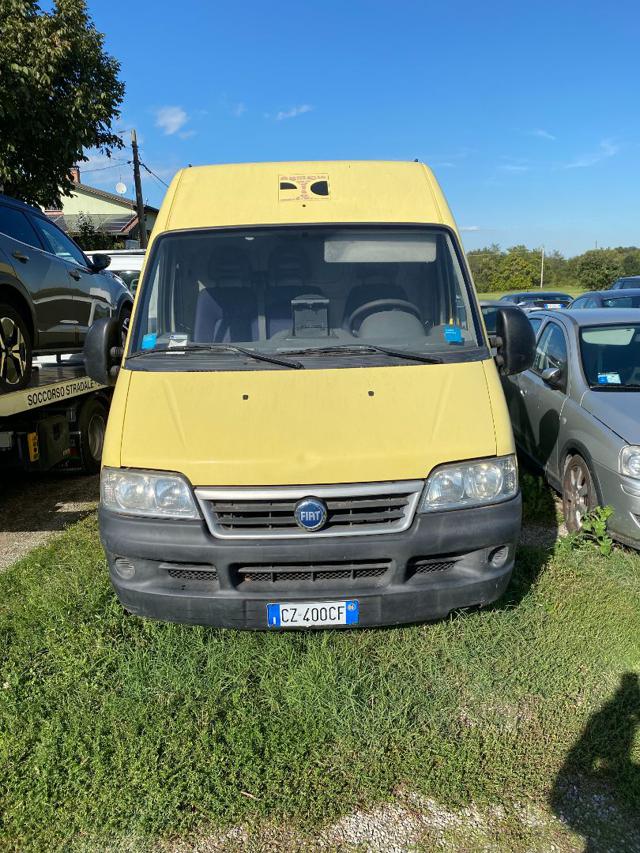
[[118, 733], [496, 294]]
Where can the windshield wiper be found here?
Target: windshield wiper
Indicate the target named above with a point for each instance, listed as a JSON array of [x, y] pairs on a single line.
[[355, 348], [259, 356]]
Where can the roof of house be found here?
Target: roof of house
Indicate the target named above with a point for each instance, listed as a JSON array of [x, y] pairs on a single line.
[[107, 196]]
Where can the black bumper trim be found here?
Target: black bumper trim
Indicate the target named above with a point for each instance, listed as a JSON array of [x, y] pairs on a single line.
[[466, 536]]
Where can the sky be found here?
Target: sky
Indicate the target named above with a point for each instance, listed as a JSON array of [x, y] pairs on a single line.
[[527, 112]]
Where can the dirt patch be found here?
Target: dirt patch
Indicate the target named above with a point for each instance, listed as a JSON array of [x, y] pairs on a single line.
[[35, 507]]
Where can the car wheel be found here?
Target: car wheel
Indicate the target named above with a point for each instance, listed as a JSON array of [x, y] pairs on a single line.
[[16, 350], [92, 424], [124, 319], [578, 493]]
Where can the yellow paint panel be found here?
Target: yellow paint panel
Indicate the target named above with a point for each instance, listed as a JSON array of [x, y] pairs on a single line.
[[281, 427], [250, 194]]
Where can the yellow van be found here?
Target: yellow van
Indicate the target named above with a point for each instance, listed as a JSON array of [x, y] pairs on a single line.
[[308, 427]]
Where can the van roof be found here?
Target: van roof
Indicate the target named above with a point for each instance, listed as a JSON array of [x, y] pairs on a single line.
[[303, 192]]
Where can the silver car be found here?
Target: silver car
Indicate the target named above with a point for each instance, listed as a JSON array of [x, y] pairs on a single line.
[[576, 412]]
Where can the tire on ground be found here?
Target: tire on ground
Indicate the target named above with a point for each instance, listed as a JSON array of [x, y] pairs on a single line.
[[92, 422], [579, 495], [16, 350]]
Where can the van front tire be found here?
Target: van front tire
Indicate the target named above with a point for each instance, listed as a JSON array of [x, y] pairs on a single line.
[[92, 424]]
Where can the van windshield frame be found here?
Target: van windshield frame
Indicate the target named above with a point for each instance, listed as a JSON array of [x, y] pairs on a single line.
[[432, 269]]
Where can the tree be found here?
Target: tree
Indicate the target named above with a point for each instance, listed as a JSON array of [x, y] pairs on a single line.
[[59, 95], [598, 268], [87, 235]]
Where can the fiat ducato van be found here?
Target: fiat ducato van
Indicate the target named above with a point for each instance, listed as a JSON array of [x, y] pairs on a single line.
[[308, 427]]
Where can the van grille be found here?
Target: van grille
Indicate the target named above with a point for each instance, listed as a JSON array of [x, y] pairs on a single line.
[[279, 574], [269, 513]]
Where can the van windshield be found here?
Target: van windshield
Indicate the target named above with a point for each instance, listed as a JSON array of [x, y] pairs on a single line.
[[305, 290]]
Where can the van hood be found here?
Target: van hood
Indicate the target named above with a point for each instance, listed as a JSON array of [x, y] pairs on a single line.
[[290, 427], [619, 410]]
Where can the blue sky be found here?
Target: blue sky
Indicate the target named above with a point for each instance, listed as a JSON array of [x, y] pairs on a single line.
[[528, 113]]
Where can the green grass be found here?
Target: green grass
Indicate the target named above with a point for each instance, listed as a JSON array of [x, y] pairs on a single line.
[[496, 294], [119, 732]]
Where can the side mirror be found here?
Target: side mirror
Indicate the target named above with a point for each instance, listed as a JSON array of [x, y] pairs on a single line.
[[103, 351], [552, 376], [100, 262], [515, 340]]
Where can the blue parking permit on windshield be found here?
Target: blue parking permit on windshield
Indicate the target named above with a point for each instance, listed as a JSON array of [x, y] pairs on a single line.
[[453, 334], [609, 379], [149, 341]]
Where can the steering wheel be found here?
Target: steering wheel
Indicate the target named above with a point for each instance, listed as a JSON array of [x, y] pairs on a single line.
[[381, 305]]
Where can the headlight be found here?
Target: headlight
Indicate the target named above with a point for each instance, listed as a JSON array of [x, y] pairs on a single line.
[[630, 461], [146, 493], [484, 481]]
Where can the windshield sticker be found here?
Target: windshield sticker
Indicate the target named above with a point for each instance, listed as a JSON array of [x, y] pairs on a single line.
[[608, 379], [176, 341], [453, 335], [149, 341]]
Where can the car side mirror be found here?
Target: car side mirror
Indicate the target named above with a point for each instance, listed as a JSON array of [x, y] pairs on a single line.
[[515, 341], [552, 376], [103, 351], [100, 262]]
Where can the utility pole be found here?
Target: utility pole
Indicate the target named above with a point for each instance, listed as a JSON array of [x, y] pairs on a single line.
[[542, 268], [142, 226]]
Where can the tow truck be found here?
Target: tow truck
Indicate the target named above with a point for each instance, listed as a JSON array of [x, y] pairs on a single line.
[[58, 420]]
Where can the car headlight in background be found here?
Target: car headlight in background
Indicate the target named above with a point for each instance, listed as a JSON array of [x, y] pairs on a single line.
[[147, 493], [463, 484], [630, 461]]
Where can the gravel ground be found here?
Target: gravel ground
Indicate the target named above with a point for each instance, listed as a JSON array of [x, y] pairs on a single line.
[[36, 506], [413, 823]]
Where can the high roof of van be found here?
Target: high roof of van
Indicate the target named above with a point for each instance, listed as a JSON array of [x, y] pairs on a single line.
[[303, 192]]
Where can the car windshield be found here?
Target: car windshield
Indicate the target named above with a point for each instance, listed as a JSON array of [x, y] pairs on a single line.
[[611, 356], [309, 290], [130, 277], [543, 298]]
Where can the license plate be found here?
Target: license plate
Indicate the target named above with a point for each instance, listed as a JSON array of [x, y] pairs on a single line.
[[309, 614], [553, 305]]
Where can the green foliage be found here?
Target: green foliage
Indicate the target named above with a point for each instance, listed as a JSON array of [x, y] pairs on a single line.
[[518, 268], [117, 733], [598, 268], [594, 530], [59, 94], [538, 503], [87, 235]]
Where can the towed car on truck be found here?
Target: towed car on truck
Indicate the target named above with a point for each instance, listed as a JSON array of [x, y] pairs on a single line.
[[308, 428], [50, 292]]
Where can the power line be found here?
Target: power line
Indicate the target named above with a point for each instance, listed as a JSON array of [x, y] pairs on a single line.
[[144, 166], [104, 168]]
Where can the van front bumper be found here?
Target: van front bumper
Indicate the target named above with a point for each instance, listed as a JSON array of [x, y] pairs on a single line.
[[184, 574]]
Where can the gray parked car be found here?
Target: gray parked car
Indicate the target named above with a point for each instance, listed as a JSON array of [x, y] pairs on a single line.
[[626, 282], [627, 298], [576, 412], [50, 292]]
